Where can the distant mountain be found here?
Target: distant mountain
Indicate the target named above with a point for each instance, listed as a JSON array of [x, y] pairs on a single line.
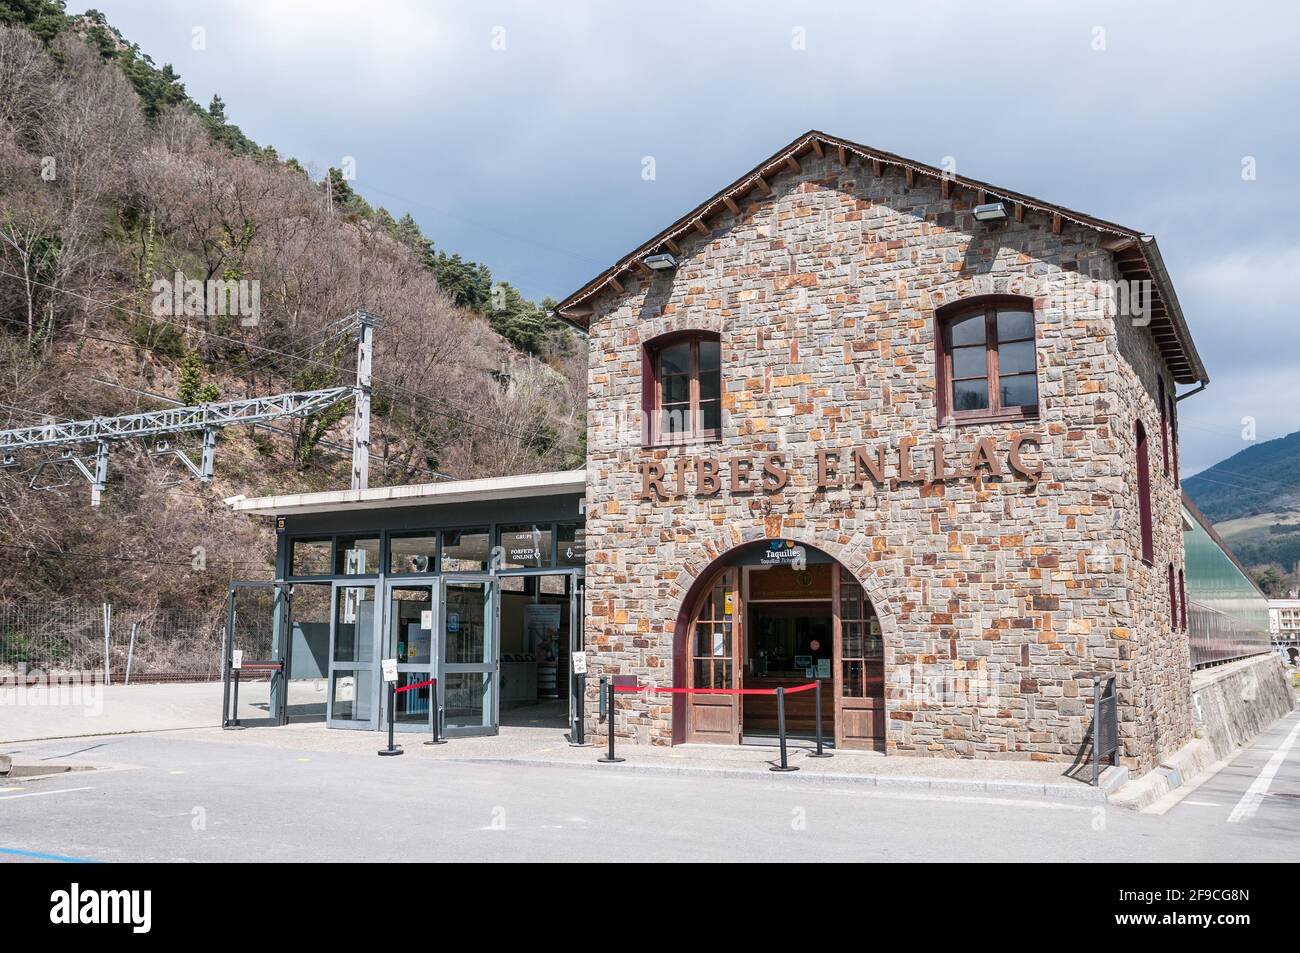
[[1263, 478], [1253, 498]]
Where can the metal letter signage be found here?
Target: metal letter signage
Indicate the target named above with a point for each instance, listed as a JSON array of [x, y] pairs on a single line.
[[837, 469]]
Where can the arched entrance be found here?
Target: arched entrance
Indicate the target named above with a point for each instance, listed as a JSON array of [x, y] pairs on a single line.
[[779, 613]]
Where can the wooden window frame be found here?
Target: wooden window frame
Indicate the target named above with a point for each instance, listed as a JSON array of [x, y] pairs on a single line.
[[1164, 421], [863, 614], [652, 392], [1182, 600], [1144, 491], [1173, 435], [989, 305], [1173, 600]]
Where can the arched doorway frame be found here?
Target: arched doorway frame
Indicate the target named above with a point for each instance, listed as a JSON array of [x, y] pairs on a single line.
[[693, 583]]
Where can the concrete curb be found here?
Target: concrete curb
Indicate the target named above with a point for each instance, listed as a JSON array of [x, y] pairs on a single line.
[[959, 786]]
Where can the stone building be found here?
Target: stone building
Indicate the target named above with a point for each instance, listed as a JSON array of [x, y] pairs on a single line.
[[861, 419], [854, 421]]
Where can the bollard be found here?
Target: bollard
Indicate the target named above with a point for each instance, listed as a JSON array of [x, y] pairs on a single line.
[[578, 730], [392, 749], [436, 709], [780, 727], [609, 755], [819, 753], [130, 651], [232, 724]]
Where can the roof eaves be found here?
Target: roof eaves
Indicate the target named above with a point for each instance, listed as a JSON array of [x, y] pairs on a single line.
[[778, 161]]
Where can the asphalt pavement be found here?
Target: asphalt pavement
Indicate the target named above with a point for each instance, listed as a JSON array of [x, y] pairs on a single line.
[[171, 796]]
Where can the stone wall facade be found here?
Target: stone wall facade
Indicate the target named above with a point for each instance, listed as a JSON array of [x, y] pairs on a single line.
[[824, 294]]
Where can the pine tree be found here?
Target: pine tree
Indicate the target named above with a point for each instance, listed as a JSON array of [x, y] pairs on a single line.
[[189, 381]]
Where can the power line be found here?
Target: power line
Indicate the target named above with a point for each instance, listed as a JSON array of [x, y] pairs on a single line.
[[467, 419], [64, 554], [31, 413]]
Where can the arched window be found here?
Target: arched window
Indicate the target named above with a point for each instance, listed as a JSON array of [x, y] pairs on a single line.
[[1173, 601], [682, 388], [987, 365], [1144, 490]]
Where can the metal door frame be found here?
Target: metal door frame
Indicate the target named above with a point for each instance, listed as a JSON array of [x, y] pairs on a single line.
[[490, 667], [577, 643], [280, 614], [372, 666], [577, 575], [435, 650]]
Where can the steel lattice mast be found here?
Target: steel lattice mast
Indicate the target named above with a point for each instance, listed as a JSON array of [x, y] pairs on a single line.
[[206, 419]]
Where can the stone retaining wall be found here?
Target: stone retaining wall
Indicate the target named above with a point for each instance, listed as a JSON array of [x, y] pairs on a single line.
[[1235, 702]]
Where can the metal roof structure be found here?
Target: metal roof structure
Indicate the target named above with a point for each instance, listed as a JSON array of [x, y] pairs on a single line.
[[554, 483]]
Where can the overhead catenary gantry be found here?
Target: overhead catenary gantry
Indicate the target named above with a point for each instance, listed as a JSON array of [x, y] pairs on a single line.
[[72, 436]]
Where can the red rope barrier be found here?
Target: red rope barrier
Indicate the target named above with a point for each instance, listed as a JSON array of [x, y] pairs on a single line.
[[407, 688], [626, 689]]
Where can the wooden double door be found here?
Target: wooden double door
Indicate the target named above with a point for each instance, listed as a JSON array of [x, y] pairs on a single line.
[[719, 658]]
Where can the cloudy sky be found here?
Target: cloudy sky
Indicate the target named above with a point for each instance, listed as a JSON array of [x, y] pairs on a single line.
[[515, 132]]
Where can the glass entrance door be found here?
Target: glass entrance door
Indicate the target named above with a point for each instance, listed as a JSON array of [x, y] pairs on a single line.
[[468, 667], [353, 668], [410, 621], [255, 625]]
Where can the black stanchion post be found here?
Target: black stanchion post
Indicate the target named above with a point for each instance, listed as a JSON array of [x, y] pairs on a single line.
[[780, 727], [578, 730], [232, 723], [392, 703], [609, 755], [433, 707], [819, 753]]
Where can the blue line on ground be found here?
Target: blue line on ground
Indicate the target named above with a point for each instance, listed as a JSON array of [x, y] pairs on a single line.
[[38, 856]]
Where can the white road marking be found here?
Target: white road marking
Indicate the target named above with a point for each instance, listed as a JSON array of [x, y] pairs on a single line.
[[12, 797], [1250, 801], [1202, 803]]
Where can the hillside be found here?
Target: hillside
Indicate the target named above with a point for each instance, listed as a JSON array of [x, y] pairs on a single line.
[[1265, 477], [112, 179], [1253, 498]]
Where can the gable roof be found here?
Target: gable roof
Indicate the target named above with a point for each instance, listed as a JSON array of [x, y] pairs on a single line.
[[1136, 254]]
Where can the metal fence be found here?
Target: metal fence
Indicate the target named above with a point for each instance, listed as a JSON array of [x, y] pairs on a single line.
[[158, 645], [1218, 637]]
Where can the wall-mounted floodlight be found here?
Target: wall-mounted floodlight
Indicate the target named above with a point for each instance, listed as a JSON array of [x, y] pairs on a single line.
[[660, 262], [992, 212]]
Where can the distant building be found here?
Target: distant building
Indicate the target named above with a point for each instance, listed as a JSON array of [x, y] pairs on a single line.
[[1228, 615], [1284, 621]]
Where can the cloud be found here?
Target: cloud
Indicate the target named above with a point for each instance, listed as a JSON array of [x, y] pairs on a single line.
[[527, 155]]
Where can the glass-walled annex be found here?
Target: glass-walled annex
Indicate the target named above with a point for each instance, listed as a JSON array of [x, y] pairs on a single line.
[[483, 598]]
